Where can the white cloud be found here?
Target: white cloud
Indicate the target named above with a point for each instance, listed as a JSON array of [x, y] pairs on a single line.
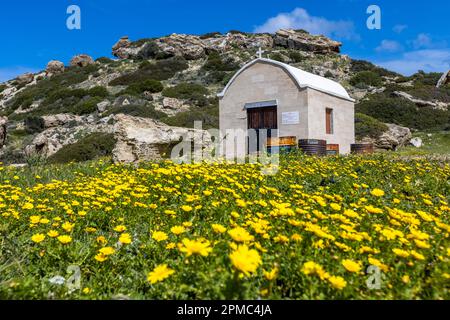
[[299, 18], [425, 41], [399, 28], [389, 46], [422, 41], [9, 73], [430, 60]]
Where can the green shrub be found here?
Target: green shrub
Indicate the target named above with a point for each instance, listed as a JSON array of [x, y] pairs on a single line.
[[366, 126], [295, 56], [50, 86], [277, 56], [366, 78], [189, 91], [159, 70], [210, 35], [2, 87], [34, 124], [98, 91], [403, 112], [85, 106], [209, 116], [361, 65], [104, 60], [216, 63], [137, 88], [90, 147], [143, 111]]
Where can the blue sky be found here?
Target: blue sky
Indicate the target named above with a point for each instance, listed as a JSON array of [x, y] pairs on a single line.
[[414, 34]]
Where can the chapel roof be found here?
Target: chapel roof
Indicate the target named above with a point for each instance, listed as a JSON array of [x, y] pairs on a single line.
[[303, 79]]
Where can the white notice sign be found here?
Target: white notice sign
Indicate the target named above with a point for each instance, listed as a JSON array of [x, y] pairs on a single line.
[[290, 117]]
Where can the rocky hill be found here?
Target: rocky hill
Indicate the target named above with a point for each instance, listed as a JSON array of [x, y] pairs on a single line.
[[104, 106]]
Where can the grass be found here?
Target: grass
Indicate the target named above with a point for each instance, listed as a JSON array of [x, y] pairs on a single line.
[[434, 143]]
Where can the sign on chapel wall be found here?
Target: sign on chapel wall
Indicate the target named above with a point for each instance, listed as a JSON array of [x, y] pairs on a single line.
[[290, 117]]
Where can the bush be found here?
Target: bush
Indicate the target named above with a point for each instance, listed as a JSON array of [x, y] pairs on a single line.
[[2, 87], [34, 124], [295, 56], [90, 147], [403, 112], [366, 78], [366, 126], [216, 63], [98, 91], [209, 116], [85, 106], [104, 60], [137, 88], [143, 111], [361, 65], [210, 35], [189, 91], [277, 56], [50, 86], [159, 70]]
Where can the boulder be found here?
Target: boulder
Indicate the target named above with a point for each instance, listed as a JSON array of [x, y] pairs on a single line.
[[301, 40], [416, 142], [54, 67], [396, 136], [25, 78], [49, 141], [81, 60], [118, 49], [61, 119], [3, 123], [102, 106], [141, 139]]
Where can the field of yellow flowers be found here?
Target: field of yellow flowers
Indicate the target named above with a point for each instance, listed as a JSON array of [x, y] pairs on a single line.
[[321, 228]]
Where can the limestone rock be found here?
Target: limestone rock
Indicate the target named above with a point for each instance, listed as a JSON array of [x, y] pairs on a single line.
[[49, 141], [25, 78], [81, 60], [187, 46], [396, 136], [416, 142], [54, 67], [299, 40], [102, 106], [422, 103], [61, 119], [444, 79], [119, 49], [141, 139], [3, 123]]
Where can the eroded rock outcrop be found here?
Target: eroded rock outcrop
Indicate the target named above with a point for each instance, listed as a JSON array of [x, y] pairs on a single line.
[[193, 47], [81, 60], [119, 48], [25, 79], [444, 79], [422, 103], [396, 136], [54, 67], [49, 141], [61, 119], [141, 139], [300, 40]]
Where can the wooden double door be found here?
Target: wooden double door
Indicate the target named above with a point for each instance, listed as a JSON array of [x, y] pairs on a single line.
[[264, 121]]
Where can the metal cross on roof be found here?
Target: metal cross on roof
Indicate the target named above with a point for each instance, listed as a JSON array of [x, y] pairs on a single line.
[[260, 52]]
